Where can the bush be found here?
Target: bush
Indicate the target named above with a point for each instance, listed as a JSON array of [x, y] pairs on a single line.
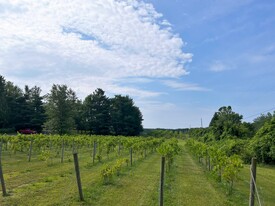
[[263, 143]]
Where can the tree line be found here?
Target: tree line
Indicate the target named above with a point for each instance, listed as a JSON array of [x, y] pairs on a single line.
[[61, 112], [255, 139]]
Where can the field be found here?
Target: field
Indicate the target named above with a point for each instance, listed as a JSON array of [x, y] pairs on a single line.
[[187, 183]]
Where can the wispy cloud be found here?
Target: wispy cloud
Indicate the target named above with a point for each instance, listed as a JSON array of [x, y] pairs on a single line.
[[264, 55], [218, 66], [183, 86]]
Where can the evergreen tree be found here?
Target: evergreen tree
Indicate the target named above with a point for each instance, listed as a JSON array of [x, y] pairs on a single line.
[[15, 102], [126, 117], [79, 118], [97, 110], [3, 103], [37, 110]]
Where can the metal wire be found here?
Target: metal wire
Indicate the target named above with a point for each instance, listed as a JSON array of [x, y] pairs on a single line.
[[257, 193]]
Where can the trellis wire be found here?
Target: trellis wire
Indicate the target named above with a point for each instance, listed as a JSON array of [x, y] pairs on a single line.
[[257, 193]]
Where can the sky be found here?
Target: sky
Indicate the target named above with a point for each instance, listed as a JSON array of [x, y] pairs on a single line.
[[180, 60]]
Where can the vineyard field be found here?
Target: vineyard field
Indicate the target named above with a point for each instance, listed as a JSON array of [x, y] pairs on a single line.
[[50, 182]]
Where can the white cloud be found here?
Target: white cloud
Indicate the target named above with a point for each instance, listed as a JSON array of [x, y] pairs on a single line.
[[87, 45], [183, 86], [123, 38], [218, 66]]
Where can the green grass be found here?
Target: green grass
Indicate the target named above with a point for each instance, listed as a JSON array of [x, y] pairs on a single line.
[[188, 185], [137, 186], [38, 183], [45, 183], [265, 179]]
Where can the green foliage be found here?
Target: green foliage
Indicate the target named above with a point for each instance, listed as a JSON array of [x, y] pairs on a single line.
[[18, 109], [231, 170], [162, 133], [225, 165], [108, 171], [99, 157], [227, 124], [117, 167], [261, 120], [169, 149], [60, 109], [62, 113], [107, 174], [45, 155], [97, 113], [126, 117], [263, 144], [37, 110], [3, 103]]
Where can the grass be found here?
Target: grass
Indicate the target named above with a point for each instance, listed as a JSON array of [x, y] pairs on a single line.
[[187, 183], [265, 179], [38, 183], [138, 186]]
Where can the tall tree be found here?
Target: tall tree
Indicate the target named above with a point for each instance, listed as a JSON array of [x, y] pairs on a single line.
[[37, 115], [80, 118], [263, 143], [260, 121], [126, 117], [226, 123], [97, 110], [15, 101], [60, 109], [3, 103]]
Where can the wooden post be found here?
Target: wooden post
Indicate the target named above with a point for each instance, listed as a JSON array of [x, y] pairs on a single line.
[[1, 173], [252, 181], [94, 152], [30, 151], [131, 156], [74, 151], [76, 165], [162, 168], [62, 151]]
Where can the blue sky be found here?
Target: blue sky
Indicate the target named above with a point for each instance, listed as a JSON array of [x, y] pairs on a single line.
[[179, 60]]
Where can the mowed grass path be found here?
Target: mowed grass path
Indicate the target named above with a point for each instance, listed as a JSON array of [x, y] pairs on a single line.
[[139, 187], [188, 184]]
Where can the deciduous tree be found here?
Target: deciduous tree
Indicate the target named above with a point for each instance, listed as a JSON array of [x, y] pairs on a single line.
[[60, 109]]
